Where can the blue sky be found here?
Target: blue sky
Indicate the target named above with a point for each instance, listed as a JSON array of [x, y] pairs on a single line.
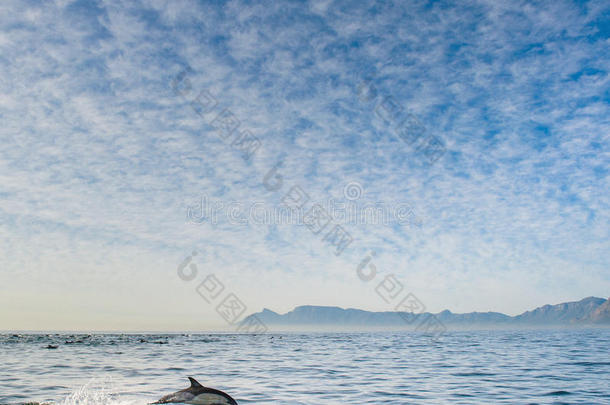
[[101, 157]]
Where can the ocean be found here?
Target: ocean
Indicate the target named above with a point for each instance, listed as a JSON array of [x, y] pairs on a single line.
[[490, 367]]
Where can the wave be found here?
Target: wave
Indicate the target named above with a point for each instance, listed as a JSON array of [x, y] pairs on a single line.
[[98, 392]]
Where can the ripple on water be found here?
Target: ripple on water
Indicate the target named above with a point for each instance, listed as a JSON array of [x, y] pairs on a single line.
[[556, 393], [486, 367]]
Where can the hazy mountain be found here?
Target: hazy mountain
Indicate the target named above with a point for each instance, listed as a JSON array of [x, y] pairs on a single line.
[[601, 314], [449, 317], [568, 312], [329, 316], [587, 311]]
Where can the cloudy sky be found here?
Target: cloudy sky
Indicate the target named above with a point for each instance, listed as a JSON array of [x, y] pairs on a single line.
[[119, 118]]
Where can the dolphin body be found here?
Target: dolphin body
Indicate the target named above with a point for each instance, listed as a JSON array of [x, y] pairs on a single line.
[[197, 394]]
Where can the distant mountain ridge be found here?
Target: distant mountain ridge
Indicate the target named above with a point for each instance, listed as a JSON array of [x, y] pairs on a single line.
[[567, 312], [588, 311], [601, 314]]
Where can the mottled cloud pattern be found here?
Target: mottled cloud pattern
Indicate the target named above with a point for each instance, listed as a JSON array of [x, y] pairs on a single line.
[[101, 158]]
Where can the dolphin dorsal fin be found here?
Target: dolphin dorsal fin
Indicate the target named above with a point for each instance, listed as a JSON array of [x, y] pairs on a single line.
[[194, 383]]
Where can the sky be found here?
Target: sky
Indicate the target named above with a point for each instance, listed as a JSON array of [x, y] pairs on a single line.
[[135, 133]]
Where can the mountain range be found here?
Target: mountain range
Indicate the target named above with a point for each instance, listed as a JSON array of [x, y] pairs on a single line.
[[586, 312]]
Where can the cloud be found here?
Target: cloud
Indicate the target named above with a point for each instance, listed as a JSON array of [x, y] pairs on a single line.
[[102, 158]]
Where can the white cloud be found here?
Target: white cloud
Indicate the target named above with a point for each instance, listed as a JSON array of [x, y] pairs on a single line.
[[102, 159]]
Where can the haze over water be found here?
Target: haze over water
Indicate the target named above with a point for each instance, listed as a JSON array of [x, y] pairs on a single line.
[[550, 366]]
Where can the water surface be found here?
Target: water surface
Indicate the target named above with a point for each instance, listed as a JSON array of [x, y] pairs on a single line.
[[560, 366]]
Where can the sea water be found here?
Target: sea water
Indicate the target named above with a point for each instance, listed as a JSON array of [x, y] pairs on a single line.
[[492, 367]]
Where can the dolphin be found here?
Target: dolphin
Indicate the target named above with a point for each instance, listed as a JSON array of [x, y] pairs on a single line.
[[197, 394]]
